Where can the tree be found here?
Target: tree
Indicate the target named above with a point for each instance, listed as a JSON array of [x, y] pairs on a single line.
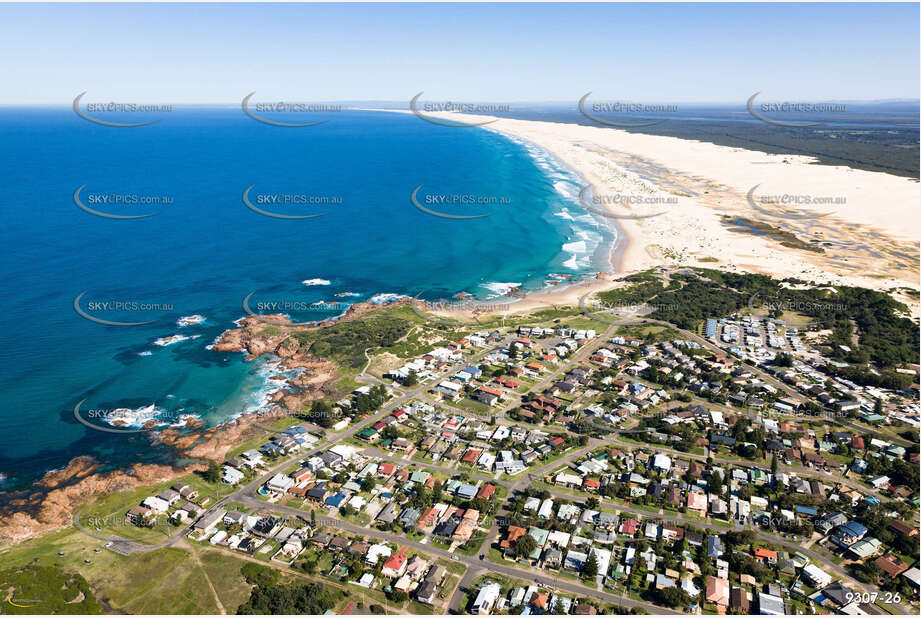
[[292, 599], [525, 545], [412, 379], [783, 360], [714, 482], [213, 473], [590, 570], [673, 597], [321, 413], [774, 464]]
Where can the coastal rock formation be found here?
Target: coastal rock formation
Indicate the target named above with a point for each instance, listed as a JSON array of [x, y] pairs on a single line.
[[60, 493]]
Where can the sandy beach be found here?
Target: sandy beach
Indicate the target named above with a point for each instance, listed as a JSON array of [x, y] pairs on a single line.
[[680, 202]]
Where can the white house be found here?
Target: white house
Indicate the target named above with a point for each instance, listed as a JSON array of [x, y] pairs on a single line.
[[485, 599], [280, 483]]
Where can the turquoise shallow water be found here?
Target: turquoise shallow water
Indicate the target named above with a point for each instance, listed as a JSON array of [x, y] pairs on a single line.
[[204, 251]]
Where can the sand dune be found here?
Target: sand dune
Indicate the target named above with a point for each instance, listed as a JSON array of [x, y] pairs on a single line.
[[706, 197]]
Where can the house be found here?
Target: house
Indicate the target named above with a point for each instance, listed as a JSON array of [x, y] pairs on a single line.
[[738, 600], [902, 527], [485, 599], [765, 556], [865, 548], [231, 476], [829, 522], [157, 505], [816, 577], [395, 565], [169, 496], [185, 491], [387, 514], [697, 501], [139, 515], [207, 524], [714, 547], [376, 552], [234, 518], [487, 395], [425, 593], [849, 533], [512, 535], [717, 591], [280, 483], [891, 565], [553, 557], [770, 605]]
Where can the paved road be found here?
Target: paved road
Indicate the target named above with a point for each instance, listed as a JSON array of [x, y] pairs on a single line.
[[819, 556], [801, 472], [470, 561], [127, 546], [246, 496], [465, 586]]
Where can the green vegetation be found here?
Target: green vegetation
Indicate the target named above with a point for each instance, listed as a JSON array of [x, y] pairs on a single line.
[[760, 228], [291, 599], [35, 589], [346, 342], [883, 336], [259, 575]]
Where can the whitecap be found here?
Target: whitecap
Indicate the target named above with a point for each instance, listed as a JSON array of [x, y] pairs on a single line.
[[165, 341], [190, 320], [500, 288], [316, 282], [380, 299]]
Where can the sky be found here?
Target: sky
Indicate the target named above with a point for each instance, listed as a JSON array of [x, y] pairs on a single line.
[[218, 53]]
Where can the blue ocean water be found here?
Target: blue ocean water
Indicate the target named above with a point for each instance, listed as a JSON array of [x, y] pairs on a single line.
[[205, 251]]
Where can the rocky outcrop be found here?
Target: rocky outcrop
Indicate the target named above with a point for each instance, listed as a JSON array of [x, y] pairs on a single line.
[[59, 493]]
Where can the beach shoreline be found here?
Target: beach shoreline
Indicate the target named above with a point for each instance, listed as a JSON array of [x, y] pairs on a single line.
[[715, 219]]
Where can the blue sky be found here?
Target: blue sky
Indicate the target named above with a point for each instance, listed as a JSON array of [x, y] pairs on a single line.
[[212, 53]]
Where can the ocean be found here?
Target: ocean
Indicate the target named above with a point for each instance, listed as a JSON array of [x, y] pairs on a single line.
[[202, 251]]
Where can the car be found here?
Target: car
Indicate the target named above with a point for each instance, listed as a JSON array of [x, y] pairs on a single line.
[[455, 558], [481, 556]]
